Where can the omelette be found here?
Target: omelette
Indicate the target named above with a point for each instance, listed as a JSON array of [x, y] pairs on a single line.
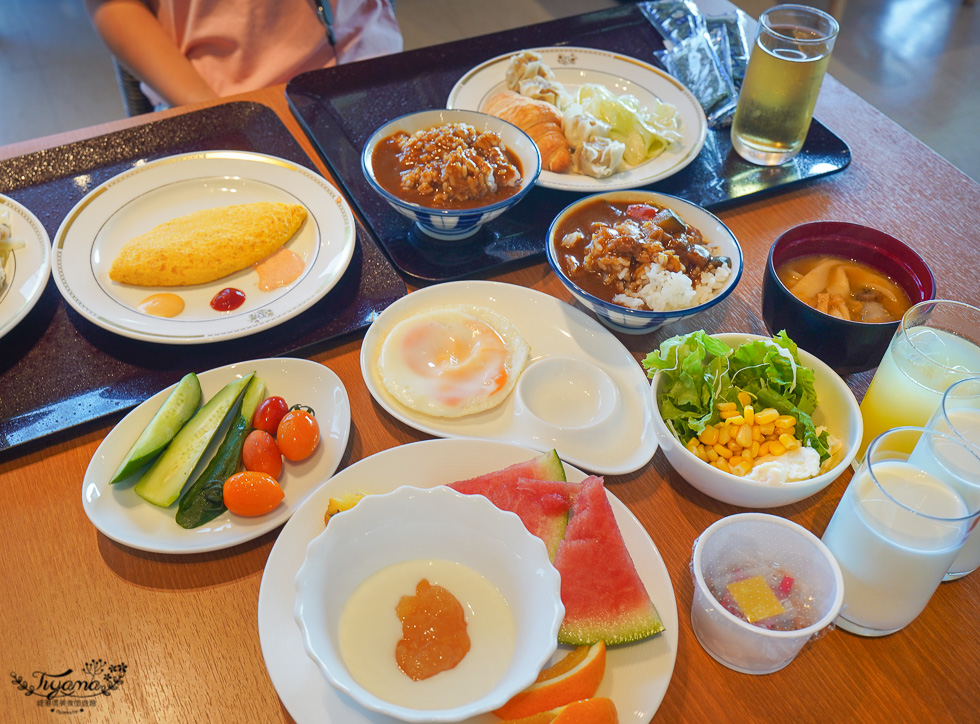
[[206, 245]]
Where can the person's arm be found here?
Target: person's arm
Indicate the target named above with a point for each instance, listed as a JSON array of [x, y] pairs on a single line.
[[139, 42]]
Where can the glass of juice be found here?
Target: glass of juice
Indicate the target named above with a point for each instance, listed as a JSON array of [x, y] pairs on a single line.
[[790, 56], [936, 344], [897, 529], [959, 415]]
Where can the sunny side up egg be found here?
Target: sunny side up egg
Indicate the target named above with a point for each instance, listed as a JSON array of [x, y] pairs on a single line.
[[452, 361], [369, 630]]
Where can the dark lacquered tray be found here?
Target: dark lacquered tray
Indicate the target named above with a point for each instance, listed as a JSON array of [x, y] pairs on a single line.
[[58, 370], [340, 107]]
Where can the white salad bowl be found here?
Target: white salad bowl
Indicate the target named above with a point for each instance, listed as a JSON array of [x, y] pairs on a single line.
[[837, 410], [414, 524], [454, 224], [716, 235]]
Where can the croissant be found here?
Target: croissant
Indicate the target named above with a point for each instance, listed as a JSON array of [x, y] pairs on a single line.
[[541, 121]]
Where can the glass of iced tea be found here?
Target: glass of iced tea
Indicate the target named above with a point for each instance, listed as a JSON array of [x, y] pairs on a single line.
[[792, 49]]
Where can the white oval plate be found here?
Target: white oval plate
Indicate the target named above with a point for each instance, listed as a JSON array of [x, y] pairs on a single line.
[[637, 675], [575, 67], [27, 270], [121, 514], [621, 444], [149, 194]]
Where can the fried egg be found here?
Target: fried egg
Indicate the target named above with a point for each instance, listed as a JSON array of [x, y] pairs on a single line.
[[452, 361]]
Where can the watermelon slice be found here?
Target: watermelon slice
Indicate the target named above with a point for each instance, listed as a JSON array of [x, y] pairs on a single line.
[[535, 490], [604, 598]]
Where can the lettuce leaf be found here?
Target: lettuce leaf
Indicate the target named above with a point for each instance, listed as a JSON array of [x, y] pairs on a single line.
[[700, 371]]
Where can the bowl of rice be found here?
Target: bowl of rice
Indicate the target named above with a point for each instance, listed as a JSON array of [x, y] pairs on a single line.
[[639, 259]]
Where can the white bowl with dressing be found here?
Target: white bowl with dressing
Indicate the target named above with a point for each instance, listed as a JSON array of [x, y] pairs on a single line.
[[378, 550]]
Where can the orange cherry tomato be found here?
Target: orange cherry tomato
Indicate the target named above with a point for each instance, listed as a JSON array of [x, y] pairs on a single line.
[[261, 454], [298, 433], [249, 493]]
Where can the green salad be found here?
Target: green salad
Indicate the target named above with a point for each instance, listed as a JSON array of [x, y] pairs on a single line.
[[700, 371]]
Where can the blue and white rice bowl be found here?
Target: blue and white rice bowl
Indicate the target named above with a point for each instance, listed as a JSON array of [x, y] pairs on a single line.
[[716, 236], [455, 224]]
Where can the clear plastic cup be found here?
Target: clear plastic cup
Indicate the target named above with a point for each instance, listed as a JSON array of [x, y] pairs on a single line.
[[733, 550]]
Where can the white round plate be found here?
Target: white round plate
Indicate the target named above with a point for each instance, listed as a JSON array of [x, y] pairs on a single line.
[[121, 514], [575, 67], [27, 270], [637, 674], [152, 193], [624, 442]]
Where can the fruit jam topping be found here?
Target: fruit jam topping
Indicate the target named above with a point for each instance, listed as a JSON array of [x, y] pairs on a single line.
[[434, 637], [766, 596]]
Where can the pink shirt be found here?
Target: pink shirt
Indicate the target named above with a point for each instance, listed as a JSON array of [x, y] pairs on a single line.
[[242, 45]]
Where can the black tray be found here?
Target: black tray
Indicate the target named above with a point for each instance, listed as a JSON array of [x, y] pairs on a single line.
[[58, 370], [339, 108]]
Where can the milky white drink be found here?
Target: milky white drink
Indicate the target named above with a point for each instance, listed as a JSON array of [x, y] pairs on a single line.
[[962, 470], [891, 558]]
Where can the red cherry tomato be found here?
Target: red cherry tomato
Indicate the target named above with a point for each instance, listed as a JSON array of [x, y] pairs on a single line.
[[298, 433], [269, 413], [251, 494], [261, 454]]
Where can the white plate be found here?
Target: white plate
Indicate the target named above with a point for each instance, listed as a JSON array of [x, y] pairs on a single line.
[[620, 444], [637, 674], [149, 194], [575, 67], [27, 269], [124, 516]]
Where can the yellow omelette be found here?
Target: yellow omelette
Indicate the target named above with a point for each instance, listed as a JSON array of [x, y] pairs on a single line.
[[206, 245]]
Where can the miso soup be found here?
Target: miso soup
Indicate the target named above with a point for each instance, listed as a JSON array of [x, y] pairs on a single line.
[[844, 288]]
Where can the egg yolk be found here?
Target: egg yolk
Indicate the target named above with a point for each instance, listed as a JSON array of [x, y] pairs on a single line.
[[162, 305], [467, 359], [279, 269], [434, 637]]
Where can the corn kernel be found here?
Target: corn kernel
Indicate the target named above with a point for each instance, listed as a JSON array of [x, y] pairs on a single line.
[[722, 451], [790, 443], [742, 469], [700, 452], [776, 448], [767, 428], [757, 433], [791, 431], [744, 435], [692, 444], [747, 454], [731, 415], [763, 449], [722, 465], [785, 421], [734, 446], [749, 414], [709, 435], [724, 435], [756, 446], [744, 398], [725, 406], [767, 416], [736, 421], [712, 454]]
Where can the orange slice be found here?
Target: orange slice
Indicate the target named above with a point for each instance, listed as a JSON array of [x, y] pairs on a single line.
[[574, 677], [598, 710]]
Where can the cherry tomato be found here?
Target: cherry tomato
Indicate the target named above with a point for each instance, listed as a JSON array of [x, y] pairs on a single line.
[[298, 433], [269, 413], [250, 493], [261, 454]]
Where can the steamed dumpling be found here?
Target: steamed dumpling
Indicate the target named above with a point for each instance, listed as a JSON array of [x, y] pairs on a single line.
[[599, 157]]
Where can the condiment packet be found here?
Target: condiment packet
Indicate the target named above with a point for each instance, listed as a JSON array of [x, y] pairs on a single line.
[[733, 25], [690, 56]]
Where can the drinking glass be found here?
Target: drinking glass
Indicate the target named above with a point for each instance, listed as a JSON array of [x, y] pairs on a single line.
[[898, 528], [959, 415], [790, 56], [936, 344]]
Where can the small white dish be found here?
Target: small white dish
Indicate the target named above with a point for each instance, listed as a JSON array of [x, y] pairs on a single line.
[[430, 524], [621, 74], [637, 675], [152, 193], [551, 328], [567, 393], [27, 269], [837, 410], [119, 513]]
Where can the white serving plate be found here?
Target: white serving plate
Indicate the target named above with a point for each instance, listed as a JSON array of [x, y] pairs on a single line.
[[637, 675], [122, 515], [621, 74], [621, 443], [27, 270], [151, 193]]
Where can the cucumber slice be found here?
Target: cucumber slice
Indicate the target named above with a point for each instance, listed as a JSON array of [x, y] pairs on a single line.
[[177, 409], [162, 483]]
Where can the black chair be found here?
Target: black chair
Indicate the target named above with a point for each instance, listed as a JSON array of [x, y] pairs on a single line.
[[133, 99]]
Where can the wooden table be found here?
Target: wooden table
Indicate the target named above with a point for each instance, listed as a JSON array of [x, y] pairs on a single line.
[[185, 626]]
